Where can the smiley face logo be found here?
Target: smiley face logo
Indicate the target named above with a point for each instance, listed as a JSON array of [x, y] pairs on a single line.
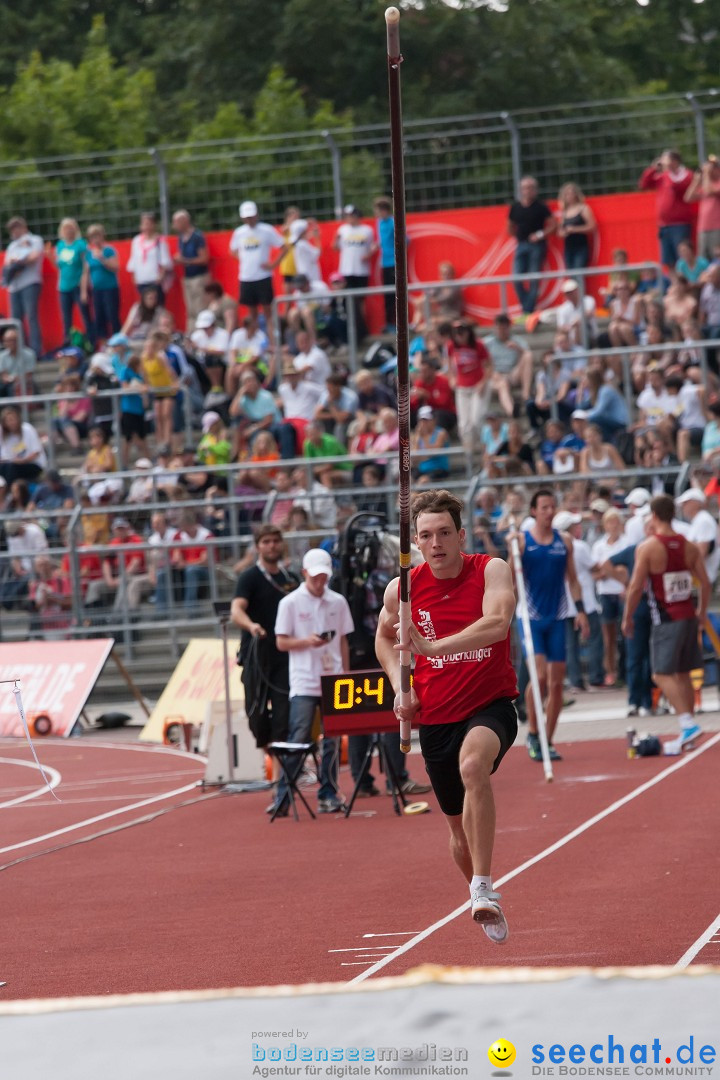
[[501, 1053]]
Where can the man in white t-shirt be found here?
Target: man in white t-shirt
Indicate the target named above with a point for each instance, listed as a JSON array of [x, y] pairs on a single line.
[[307, 255], [566, 521], [251, 244], [302, 311], [654, 403], [571, 313], [298, 395], [22, 271], [356, 244], [311, 359], [248, 346], [637, 500], [312, 625], [702, 528], [25, 540]]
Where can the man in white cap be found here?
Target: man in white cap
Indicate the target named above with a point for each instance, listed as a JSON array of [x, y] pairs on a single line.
[[312, 625], [251, 244], [702, 528], [571, 314], [635, 500]]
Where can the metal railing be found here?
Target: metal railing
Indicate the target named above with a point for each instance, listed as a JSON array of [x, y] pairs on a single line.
[[469, 160]]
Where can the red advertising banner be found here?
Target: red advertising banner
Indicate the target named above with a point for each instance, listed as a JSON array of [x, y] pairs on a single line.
[[474, 240], [55, 678]]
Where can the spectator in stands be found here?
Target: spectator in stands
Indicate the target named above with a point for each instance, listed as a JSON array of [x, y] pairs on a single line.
[[654, 403], [530, 221], [470, 366], [372, 394], [554, 433], [356, 244], [429, 469], [494, 432], [17, 364], [311, 315], [22, 276], [337, 406], [143, 316], [160, 574], [254, 409], [298, 397], [311, 359], [446, 302], [100, 459], [214, 446], [512, 362], [569, 522], [691, 417], [705, 189], [711, 436], [73, 276], [24, 541], [610, 591], [598, 455], [625, 316], [576, 226], [320, 502], [552, 384], [608, 408], [100, 379], [576, 437], [222, 305], [574, 314], [248, 348], [52, 494], [127, 366], [433, 389], [162, 382], [669, 178], [251, 244], [385, 225], [150, 262], [661, 458], [192, 255], [702, 528], [117, 569], [103, 265], [679, 304], [50, 599], [142, 486], [320, 443], [710, 309], [690, 265], [22, 455], [19, 499], [192, 558], [72, 416], [286, 257], [211, 344], [514, 456]]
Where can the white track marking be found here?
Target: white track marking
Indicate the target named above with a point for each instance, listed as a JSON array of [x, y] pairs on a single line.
[[53, 776], [396, 933], [705, 938], [99, 817], [542, 855], [364, 948]]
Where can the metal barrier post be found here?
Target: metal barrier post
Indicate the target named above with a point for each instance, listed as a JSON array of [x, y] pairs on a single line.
[[514, 148], [627, 383], [47, 409], [699, 119], [336, 173], [277, 329], [352, 331]]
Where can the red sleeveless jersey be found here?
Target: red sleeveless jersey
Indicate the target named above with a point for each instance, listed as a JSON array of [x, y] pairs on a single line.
[[670, 594], [452, 688]]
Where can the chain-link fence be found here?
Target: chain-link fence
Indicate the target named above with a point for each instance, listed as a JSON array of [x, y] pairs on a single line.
[[456, 161]]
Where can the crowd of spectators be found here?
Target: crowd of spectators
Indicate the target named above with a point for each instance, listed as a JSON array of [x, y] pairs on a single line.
[[258, 404]]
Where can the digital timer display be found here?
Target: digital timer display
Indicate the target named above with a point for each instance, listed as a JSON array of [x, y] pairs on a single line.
[[358, 700]]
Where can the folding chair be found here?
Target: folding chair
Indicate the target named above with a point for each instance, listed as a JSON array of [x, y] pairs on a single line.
[[291, 758]]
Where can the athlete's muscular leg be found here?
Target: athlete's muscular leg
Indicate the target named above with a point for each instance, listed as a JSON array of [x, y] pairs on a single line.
[[472, 836], [542, 670], [553, 705], [679, 691]]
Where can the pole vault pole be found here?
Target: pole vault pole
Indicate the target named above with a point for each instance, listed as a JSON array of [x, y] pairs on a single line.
[[392, 22], [530, 653]]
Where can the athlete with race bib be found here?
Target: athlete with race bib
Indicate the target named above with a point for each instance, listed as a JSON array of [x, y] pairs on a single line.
[[665, 565]]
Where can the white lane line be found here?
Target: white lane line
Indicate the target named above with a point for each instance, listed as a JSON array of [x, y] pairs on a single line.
[[99, 817], [364, 948], [687, 958], [396, 933], [53, 775], [542, 855]]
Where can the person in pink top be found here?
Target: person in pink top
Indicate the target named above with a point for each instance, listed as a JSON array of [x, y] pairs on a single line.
[[470, 366], [670, 179], [705, 189]]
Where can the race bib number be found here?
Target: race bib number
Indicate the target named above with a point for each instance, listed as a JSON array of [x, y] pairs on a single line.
[[677, 586]]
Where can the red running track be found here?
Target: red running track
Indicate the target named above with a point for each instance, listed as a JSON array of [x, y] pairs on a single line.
[[195, 891]]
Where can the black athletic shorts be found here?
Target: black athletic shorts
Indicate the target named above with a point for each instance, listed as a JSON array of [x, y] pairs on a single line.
[[132, 424], [253, 293], [440, 745]]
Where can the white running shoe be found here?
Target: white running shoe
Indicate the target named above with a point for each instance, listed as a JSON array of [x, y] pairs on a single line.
[[486, 910]]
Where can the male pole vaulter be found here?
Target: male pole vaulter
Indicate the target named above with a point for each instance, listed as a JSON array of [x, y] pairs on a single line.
[[464, 684]]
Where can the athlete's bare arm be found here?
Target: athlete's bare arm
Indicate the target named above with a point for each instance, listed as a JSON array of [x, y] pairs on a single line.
[[696, 564], [581, 619], [492, 626], [389, 658]]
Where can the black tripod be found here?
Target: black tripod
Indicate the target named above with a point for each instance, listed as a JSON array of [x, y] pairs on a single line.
[[386, 766]]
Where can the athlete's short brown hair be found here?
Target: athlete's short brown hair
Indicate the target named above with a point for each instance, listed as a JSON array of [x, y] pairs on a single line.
[[663, 507], [437, 501]]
